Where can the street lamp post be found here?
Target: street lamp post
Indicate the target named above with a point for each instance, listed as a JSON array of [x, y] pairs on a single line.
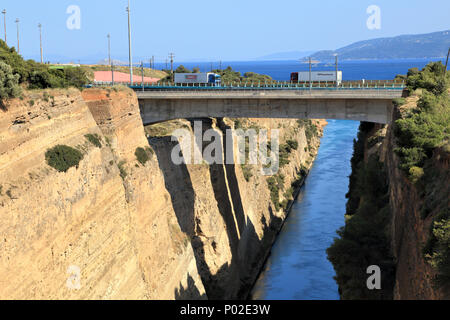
[[4, 21], [18, 41], [129, 44], [40, 38]]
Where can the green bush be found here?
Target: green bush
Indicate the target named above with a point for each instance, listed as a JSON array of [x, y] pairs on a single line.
[[143, 155], [62, 158], [293, 144], [428, 126], [247, 172], [9, 82], [415, 174], [40, 76], [94, 139], [275, 184], [123, 172], [437, 249], [182, 69], [399, 102], [229, 75], [430, 78]]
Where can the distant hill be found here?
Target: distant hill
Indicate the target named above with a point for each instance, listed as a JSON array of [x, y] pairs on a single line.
[[431, 45], [291, 55]]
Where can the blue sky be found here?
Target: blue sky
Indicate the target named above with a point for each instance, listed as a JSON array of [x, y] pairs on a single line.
[[210, 29]]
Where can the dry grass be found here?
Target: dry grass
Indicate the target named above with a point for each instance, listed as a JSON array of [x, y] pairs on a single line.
[[152, 73]]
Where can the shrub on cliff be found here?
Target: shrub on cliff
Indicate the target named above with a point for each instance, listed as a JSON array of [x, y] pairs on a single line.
[[430, 78], [9, 82], [143, 155], [94, 139], [437, 249], [62, 157]]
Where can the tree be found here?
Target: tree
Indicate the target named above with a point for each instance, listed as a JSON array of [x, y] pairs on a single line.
[[196, 70], [182, 69], [9, 82]]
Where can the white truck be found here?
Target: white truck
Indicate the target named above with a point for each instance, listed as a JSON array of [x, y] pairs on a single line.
[[198, 78], [316, 76]]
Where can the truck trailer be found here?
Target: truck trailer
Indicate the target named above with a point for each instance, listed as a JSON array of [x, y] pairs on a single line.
[[198, 78], [316, 76]]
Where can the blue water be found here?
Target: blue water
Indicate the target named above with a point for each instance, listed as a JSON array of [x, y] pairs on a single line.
[[281, 70], [298, 268]]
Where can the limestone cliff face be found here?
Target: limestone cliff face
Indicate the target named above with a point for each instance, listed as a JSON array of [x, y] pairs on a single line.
[[164, 255], [117, 228], [53, 222], [120, 235], [231, 221], [410, 232]]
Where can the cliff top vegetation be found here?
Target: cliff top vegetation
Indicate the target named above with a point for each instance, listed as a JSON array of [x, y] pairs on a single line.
[[423, 137], [33, 75]]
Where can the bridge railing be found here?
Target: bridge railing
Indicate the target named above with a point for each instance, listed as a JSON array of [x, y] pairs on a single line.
[[263, 85]]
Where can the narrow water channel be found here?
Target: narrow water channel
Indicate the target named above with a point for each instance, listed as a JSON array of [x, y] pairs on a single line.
[[298, 268]]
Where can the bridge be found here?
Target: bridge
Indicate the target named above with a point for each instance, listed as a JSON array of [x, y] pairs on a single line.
[[158, 104]]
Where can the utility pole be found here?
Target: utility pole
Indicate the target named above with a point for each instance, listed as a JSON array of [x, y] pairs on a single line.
[[167, 64], [310, 73], [18, 41], [112, 72], [40, 37], [446, 63], [142, 70], [129, 44], [171, 56], [337, 78], [4, 21], [109, 49]]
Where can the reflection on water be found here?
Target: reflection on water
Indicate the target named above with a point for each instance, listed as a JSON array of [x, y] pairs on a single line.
[[298, 268]]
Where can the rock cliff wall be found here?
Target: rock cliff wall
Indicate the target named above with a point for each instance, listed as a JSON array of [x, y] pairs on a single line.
[[120, 234], [226, 210], [409, 231], [115, 227]]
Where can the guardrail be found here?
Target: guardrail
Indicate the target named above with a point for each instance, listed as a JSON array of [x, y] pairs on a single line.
[[351, 85]]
